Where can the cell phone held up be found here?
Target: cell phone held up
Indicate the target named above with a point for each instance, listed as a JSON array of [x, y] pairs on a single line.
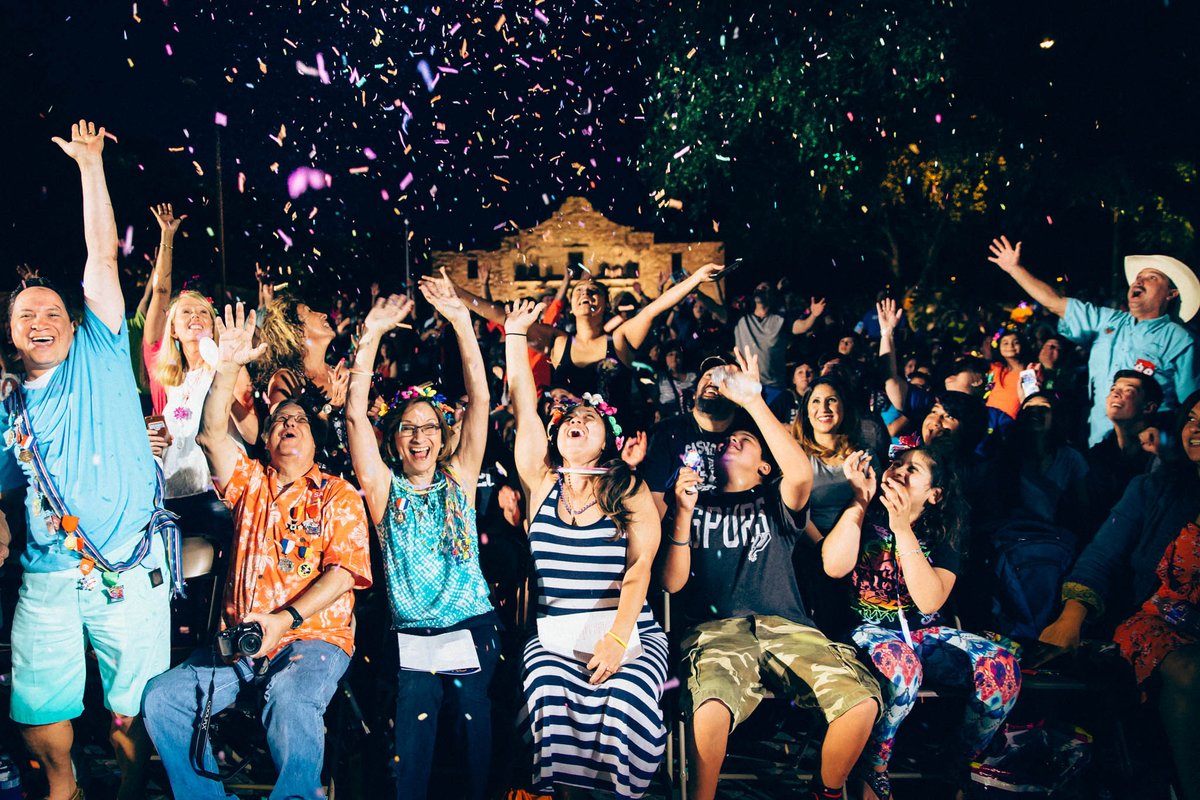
[[1029, 382], [156, 423]]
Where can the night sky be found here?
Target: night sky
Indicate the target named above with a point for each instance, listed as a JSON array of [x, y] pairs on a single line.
[[473, 118]]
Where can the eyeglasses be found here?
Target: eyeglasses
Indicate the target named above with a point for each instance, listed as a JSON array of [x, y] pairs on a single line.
[[409, 431], [299, 419]]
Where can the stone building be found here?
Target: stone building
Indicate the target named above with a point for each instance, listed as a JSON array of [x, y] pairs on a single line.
[[578, 235]]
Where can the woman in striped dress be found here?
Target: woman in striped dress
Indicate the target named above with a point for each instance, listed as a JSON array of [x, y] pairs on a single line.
[[595, 716]]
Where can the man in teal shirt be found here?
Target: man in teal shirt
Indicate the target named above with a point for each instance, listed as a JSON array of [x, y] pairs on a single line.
[[1145, 338], [95, 572]]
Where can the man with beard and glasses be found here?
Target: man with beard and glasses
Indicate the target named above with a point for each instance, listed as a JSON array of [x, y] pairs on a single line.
[[696, 435]]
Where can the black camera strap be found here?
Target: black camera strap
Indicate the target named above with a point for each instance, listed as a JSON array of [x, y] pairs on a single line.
[[201, 739]]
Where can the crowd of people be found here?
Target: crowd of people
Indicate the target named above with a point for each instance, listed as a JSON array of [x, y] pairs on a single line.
[[838, 505]]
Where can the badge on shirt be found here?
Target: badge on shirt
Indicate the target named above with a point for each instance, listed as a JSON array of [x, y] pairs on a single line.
[[305, 570], [286, 565], [1145, 367]]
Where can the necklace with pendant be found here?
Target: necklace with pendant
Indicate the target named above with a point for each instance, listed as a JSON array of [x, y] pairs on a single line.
[[574, 512]]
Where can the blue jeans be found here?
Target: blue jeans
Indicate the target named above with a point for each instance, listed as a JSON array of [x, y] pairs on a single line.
[[464, 700], [297, 687]]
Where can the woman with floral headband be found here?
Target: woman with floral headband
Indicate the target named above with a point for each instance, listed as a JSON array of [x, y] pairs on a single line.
[[179, 381], [594, 672], [421, 496]]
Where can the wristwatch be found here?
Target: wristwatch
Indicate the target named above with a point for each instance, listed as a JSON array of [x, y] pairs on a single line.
[[327, 409], [297, 620]]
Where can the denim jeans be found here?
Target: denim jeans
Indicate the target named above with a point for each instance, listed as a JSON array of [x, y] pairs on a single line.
[[423, 696], [297, 687]]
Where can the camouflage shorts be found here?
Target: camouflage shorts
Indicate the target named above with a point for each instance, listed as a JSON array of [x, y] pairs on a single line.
[[725, 660]]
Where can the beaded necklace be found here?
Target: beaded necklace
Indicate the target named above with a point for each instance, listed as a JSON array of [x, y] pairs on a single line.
[[420, 509], [574, 512]]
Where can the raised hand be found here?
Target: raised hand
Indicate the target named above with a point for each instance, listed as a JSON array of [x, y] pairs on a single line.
[[522, 315], [235, 337], [168, 223], [387, 315], [707, 273], [441, 295], [686, 494], [889, 316], [816, 307], [86, 143], [339, 382], [858, 470], [896, 500], [1004, 254], [633, 452]]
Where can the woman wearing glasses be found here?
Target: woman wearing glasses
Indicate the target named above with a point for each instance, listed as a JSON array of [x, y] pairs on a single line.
[[421, 496]]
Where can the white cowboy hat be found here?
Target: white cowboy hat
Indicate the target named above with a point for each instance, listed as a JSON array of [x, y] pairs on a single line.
[[1180, 274]]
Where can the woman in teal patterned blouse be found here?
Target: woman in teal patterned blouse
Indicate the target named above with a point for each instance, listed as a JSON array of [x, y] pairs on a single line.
[[421, 498]]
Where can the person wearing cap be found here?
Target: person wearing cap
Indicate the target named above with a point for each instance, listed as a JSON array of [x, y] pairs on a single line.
[[700, 431], [1149, 337]]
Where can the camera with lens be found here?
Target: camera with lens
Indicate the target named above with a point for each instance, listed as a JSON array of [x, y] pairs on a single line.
[[240, 640]]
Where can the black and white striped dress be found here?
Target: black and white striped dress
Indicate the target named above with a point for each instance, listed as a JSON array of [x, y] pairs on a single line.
[[610, 736]]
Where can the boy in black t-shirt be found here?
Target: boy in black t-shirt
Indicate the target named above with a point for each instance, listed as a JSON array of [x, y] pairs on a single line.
[[732, 554]]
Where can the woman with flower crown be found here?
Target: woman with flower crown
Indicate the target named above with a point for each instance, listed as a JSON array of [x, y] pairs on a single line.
[[593, 674], [421, 497]]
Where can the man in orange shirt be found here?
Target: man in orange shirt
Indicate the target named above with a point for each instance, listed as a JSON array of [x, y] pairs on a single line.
[[301, 549]]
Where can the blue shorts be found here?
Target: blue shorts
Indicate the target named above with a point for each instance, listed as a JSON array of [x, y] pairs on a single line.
[[55, 621]]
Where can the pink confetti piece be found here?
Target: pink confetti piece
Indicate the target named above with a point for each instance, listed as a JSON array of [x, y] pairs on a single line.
[[287, 240], [540, 17], [404, 183], [221, 119], [304, 178], [369, 153]]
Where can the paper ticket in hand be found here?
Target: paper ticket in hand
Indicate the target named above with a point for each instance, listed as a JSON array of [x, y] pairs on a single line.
[[209, 352]]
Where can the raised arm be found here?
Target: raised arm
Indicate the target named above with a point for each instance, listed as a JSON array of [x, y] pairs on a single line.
[[678, 566], [101, 282], [894, 385], [373, 474], [468, 458], [1008, 258], [815, 309], [632, 334], [530, 449], [236, 335], [539, 336], [795, 469], [160, 296], [839, 550]]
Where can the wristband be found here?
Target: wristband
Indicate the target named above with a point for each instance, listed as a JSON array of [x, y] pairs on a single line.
[[506, 333], [678, 543], [361, 372], [617, 639], [910, 550]]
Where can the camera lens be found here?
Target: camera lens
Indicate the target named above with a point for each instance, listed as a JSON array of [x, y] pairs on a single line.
[[250, 643]]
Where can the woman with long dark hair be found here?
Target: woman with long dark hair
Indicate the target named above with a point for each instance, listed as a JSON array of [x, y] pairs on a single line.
[[420, 492], [903, 556], [592, 695]]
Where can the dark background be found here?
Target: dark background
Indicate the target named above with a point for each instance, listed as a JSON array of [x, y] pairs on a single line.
[[539, 109]]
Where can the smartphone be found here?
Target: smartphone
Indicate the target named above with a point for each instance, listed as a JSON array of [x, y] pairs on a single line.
[[156, 423], [1029, 382], [730, 267]]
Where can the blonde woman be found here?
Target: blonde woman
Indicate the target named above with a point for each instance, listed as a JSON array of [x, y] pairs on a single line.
[[179, 381]]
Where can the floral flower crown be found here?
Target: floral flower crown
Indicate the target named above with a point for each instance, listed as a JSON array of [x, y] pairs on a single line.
[[594, 401], [425, 392]]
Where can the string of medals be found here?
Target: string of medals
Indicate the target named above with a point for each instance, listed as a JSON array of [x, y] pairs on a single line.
[[297, 553], [68, 525]]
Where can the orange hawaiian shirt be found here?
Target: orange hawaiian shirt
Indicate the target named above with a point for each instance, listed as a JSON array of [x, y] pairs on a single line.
[[285, 542]]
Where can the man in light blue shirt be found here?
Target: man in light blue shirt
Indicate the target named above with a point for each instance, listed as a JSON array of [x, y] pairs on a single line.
[[1146, 338], [94, 569]]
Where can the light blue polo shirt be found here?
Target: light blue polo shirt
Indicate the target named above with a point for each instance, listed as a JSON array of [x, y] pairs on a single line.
[[1119, 341], [90, 431]]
